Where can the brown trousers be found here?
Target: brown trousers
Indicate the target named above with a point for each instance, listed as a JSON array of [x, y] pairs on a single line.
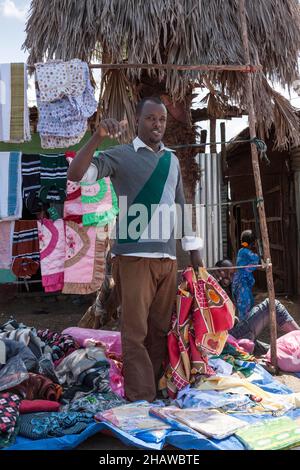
[[146, 288]]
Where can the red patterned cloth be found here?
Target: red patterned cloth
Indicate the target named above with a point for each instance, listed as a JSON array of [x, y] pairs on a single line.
[[9, 412], [203, 315]]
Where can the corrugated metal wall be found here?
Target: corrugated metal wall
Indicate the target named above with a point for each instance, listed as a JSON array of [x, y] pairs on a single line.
[[208, 208]]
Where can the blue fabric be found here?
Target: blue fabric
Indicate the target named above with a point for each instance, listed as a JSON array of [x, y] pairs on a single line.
[[180, 439], [14, 165], [243, 282]]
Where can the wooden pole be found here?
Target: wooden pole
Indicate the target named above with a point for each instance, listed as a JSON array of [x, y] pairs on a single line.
[[213, 133], [258, 186], [202, 67]]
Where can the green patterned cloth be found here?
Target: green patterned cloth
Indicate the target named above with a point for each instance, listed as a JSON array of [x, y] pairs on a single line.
[[277, 433]]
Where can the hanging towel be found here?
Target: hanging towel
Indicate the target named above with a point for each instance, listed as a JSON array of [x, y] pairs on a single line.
[[10, 186], [14, 113], [53, 178], [100, 203], [52, 253], [65, 101], [6, 238], [26, 255], [85, 259], [31, 182], [73, 208]]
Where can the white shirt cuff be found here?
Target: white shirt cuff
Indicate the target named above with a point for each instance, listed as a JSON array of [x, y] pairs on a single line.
[[91, 175], [191, 243]]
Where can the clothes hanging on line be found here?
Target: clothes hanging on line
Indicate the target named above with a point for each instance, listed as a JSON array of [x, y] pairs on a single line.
[[65, 101], [14, 113], [26, 254], [52, 253], [84, 269], [10, 186]]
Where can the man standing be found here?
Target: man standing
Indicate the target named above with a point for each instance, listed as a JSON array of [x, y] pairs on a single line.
[[144, 265]]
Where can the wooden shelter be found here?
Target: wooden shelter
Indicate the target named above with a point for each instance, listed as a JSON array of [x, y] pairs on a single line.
[[281, 191], [231, 40]]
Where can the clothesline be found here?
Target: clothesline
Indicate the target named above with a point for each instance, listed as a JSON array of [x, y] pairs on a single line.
[[214, 268], [229, 203], [201, 67]]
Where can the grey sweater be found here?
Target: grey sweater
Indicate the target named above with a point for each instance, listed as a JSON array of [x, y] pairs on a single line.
[[151, 182]]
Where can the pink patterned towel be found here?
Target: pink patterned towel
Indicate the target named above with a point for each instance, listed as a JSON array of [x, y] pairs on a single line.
[[52, 248]]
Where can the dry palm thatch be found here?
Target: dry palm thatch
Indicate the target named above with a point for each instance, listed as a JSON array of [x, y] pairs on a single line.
[[172, 31], [177, 32]]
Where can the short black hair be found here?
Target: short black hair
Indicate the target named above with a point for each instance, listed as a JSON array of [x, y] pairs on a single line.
[[140, 104], [223, 262], [248, 236]]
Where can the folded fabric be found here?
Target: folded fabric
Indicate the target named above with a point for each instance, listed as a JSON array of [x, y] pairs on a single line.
[[34, 406], [9, 413], [26, 254], [265, 402], [111, 339], [65, 100], [273, 434], [38, 387], [133, 418], [46, 425], [23, 334], [61, 344], [100, 203], [95, 402], [207, 399], [14, 113], [211, 423], [6, 239], [10, 186], [288, 352], [52, 253], [84, 268], [71, 367]]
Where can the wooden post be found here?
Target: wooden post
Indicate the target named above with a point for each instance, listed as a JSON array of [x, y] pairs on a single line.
[[258, 186], [213, 133], [223, 150]]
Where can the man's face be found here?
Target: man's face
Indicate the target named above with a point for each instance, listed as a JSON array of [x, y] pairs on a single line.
[[224, 276], [152, 123]]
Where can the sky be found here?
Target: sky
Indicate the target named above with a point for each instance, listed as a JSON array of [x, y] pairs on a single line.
[[13, 15]]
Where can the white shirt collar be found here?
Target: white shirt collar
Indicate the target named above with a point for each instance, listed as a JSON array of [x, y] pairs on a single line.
[[138, 143]]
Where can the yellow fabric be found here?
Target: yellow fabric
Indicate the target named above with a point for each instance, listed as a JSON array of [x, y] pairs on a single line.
[[271, 402], [17, 103]]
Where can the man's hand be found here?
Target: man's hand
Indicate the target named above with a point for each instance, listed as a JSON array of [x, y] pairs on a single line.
[[196, 259], [112, 128]]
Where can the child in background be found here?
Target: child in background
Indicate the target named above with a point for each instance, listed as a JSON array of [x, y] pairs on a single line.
[[243, 279]]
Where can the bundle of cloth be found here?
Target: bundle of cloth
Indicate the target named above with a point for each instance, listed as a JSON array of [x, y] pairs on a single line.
[[14, 113], [65, 99]]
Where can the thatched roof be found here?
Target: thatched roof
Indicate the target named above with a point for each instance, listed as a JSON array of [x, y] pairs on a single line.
[[177, 32]]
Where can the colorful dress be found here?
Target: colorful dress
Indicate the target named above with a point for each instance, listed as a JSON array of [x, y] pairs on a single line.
[[243, 282]]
